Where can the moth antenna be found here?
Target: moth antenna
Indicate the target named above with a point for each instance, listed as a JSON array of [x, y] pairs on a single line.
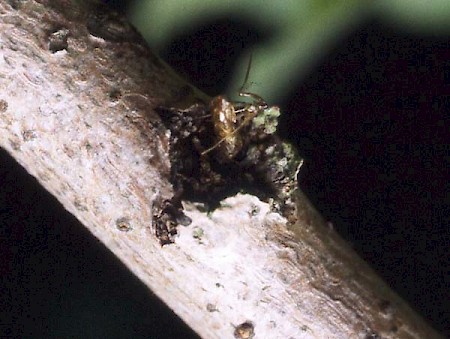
[[244, 93], [247, 73]]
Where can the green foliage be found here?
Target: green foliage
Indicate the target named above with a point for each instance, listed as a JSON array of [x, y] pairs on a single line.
[[430, 17], [306, 29]]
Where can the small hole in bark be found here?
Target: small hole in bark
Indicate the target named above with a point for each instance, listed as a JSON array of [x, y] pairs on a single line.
[[123, 225], [3, 105], [115, 94], [372, 335], [246, 330]]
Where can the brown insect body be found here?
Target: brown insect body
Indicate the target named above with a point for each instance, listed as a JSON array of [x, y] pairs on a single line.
[[227, 129], [224, 119]]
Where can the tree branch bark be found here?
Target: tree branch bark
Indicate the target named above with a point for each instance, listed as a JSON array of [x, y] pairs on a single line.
[[78, 95]]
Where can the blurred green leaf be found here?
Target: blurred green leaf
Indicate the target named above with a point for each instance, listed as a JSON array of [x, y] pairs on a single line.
[[417, 16], [306, 30]]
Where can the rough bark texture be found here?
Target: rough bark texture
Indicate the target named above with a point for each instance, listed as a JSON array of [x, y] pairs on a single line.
[[78, 90]]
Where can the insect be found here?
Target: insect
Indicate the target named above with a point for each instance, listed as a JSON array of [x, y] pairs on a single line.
[[246, 154], [224, 115]]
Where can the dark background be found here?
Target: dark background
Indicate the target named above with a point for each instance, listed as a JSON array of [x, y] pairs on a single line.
[[370, 123]]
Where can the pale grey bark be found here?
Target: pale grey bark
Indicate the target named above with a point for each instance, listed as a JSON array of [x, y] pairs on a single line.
[[78, 90]]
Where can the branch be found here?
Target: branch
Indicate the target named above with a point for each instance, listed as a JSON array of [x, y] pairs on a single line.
[[79, 90]]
